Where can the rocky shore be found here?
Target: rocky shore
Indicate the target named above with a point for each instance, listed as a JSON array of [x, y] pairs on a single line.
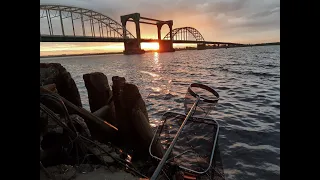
[[111, 141]]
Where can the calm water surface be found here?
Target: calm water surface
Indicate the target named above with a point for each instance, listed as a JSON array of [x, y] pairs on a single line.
[[247, 79]]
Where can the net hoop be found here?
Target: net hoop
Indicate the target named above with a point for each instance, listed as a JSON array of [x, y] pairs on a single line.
[[206, 88]]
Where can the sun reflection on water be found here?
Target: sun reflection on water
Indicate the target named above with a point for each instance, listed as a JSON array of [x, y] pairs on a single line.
[[156, 57]]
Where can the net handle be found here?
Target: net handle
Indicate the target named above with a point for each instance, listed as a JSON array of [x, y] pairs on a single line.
[[206, 88], [168, 151]]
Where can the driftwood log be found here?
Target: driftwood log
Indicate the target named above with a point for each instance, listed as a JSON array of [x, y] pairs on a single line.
[[100, 96], [132, 119], [55, 73]]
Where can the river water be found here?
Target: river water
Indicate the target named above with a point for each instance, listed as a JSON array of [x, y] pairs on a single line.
[[247, 80]]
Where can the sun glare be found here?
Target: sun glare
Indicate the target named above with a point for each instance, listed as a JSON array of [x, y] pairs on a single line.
[[150, 46]]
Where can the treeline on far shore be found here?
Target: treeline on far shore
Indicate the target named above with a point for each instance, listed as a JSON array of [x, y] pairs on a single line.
[[266, 44]]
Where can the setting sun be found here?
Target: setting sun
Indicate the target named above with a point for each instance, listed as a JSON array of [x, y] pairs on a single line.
[[150, 46]]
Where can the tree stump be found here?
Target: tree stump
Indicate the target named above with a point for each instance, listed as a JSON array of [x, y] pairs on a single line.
[[55, 73], [100, 94]]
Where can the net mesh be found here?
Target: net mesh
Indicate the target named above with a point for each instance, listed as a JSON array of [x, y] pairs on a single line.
[[194, 146]]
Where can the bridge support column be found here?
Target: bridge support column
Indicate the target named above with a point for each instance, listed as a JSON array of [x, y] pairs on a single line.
[[132, 46], [159, 26], [201, 46], [165, 45]]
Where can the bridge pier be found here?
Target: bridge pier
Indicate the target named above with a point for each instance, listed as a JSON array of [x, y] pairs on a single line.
[[201, 46], [132, 46], [165, 45]]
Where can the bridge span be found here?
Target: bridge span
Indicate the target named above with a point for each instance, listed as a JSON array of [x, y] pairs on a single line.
[[59, 24], [59, 38]]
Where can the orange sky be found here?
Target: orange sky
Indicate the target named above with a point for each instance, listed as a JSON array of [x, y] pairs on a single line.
[[79, 48], [239, 21]]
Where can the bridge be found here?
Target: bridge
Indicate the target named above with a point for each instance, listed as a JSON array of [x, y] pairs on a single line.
[[91, 26]]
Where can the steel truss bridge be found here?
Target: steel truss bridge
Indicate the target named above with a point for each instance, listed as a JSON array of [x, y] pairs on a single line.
[[59, 23]]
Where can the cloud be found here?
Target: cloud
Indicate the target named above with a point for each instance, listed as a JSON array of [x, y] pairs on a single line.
[[215, 19]]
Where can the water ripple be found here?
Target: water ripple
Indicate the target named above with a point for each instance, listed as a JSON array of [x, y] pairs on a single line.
[[247, 79]]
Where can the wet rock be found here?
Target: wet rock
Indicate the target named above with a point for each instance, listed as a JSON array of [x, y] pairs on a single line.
[[60, 172], [80, 125], [48, 125], [101, 154], [85, 168], [112, 168], [106, 174], [43, 123]]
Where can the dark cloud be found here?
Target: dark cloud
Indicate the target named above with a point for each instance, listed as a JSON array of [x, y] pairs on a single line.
[[265, 13], [224, 7], [213, 18]]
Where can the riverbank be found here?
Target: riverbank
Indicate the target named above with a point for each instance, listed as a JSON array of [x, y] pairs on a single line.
[[111, 140], [102, 142]]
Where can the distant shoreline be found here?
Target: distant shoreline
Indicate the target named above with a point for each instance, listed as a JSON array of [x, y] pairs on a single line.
[[178, 49], [83, 54]]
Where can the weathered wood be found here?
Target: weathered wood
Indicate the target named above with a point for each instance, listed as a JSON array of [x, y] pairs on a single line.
[[102, 112], [132, 118], [121, 116], [55, 73], [145, 134], [87, 116], [98, 89], [133, 99], [100, 94]]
